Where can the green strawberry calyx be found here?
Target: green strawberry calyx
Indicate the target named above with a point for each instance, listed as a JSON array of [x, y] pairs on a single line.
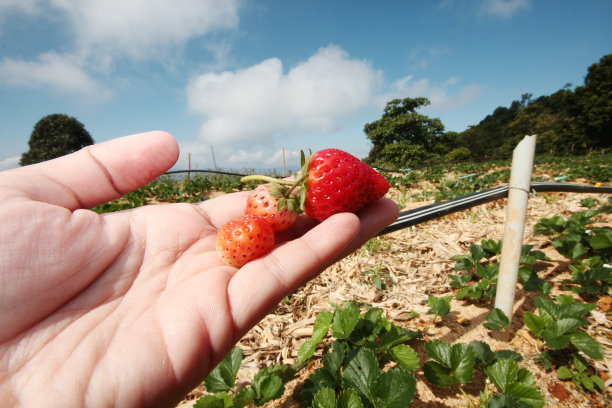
[[284, 189]]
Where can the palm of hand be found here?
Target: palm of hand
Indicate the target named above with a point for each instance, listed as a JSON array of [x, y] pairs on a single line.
[[133, 308]]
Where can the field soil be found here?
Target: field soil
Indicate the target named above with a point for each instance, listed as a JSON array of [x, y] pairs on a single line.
[[417, 261]]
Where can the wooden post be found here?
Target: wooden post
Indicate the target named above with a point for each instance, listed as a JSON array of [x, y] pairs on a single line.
[[213, 156], [188, 167], [516, 210], [284, 168]]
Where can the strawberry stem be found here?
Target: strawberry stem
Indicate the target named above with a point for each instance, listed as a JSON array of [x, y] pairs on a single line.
[[297, 183], [269, 179]]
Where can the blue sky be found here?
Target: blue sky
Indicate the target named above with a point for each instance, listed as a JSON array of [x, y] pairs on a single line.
[[251, 77]]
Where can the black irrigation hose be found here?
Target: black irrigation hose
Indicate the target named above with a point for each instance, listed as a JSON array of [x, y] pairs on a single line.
[[437, 210], [225, 173]]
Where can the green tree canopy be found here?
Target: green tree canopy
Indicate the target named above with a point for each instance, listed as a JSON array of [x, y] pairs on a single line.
[[54, 136], [595, 102], [402, 136]]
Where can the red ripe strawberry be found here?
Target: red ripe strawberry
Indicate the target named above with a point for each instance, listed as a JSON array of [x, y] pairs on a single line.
[[339, 182], [268, 202], [244, 239]]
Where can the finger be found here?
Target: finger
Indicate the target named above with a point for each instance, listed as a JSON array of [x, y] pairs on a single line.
[[260, 284], [374, 217], [224, 208], [98, 173]]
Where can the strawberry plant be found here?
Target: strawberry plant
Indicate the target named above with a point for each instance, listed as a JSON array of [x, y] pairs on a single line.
[[580, 375], [438, 306], [481, 282], [588, 248], [267, 384], [557, 326], [381, 280], [455, 365], [351, 365]]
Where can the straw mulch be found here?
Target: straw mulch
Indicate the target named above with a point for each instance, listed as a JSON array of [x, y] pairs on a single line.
[[418, 261]]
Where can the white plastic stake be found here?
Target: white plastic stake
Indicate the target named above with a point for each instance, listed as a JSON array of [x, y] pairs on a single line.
[[516, 210]]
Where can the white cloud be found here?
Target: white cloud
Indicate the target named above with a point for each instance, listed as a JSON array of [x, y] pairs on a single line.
[[61, 72], [144, 28], [9, 163], [259, 102], [443, 97], [106, 30], [504, 8]]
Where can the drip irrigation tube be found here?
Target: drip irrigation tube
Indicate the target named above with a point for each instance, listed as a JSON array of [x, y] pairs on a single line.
[[437, 210]]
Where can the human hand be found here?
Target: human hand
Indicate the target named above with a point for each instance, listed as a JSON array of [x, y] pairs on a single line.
[[133, 308]]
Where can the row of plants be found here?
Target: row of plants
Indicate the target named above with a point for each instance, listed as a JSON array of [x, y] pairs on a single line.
[[362, 359], [468, 177]]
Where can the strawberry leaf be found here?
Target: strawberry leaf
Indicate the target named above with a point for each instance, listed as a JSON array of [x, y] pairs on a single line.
[[587, 345], [453, 364], [496, 320], [344, 321], [361, 372], [267, 387], [320, 329], [394, 388], [405, 356], [349, 399], [223, 376], [324, 398]]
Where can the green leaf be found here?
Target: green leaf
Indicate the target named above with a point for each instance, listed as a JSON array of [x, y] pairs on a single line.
[[506, 401], [219, 400], [602, 239], [566, 325], [463, 360], [477, 252], [453, 364], [394, 388], [463, 262], [439, 306], [244, 397], [587, 345], [223, 376], [319, 331], [492, 246], [554, 341], [344, 321], [502, 373], [332, 360], [508, 355], [438, 374], [439, 351], [496, 320], [597, 380], [564, 373], [482, 353], [460, 281], [324, 398], [349, 399], [361, 371], [511, 380], [267, 387], [405, 356], [320, 378], [529, 394]]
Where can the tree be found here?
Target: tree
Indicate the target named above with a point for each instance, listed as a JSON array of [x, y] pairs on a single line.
[[595, 100], [54, 136], [402, 136]]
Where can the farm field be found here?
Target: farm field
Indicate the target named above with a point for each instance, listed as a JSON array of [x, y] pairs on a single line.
[[425, 281]]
